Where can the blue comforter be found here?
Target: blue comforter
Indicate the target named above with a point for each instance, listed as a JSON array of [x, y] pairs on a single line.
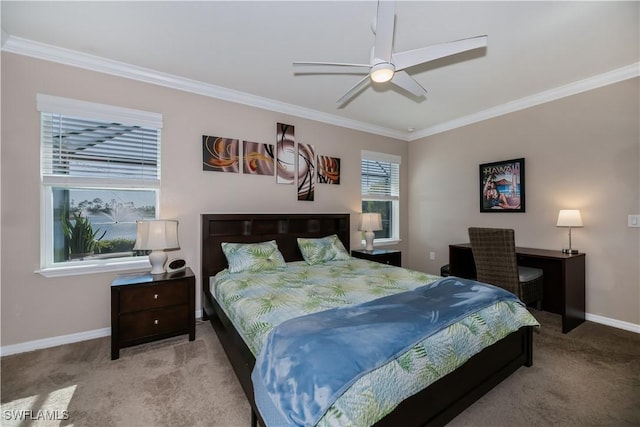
[[309, 361]]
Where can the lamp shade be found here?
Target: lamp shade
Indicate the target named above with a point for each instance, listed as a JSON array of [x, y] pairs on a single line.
[[158, 234], [569, 218], [370, 222]]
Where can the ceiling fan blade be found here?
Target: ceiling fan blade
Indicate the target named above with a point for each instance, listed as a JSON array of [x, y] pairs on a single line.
[[335, 64], [353, 91], [329, 68], [410, 58], [408, 83], [384, 30]]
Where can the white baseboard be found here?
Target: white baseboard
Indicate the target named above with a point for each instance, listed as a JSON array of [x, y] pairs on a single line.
[[53, 341], [105, 332], [627, 326], [60, 340]]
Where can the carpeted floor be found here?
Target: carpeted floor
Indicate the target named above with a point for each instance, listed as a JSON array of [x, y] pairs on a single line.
[[589, 377]]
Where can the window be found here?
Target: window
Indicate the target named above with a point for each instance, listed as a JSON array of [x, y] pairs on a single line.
[[381, 191], [100, 173]]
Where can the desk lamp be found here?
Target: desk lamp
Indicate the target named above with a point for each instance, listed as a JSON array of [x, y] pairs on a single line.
[[569, 218]]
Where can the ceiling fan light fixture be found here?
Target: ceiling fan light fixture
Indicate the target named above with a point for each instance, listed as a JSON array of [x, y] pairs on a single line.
[[381, 73], [382, 66]]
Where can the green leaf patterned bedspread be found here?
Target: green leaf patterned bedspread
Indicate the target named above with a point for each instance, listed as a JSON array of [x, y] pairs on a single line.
[[257, 302]]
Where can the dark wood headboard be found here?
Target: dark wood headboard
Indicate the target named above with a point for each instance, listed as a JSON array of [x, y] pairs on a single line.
[[251, 228]]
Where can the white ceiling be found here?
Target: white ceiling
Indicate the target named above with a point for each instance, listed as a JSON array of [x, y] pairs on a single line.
[[243, 51]]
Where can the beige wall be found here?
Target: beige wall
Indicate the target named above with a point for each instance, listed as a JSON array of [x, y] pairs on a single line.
[[581, 152], [34, 307]]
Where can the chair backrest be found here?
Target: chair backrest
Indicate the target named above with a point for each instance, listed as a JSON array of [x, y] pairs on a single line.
[[494, 252]]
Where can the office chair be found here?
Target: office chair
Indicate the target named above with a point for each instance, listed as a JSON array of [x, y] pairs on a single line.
[[494, 253]]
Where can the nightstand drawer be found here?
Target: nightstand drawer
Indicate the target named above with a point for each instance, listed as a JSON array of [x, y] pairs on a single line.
[[153, 322], [382, 256], [140, 298]]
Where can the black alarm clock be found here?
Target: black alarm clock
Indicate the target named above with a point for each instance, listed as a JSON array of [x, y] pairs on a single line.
[[175, 264]]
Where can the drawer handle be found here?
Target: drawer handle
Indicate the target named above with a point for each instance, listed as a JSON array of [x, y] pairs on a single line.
[[155, 296], [155, 322]]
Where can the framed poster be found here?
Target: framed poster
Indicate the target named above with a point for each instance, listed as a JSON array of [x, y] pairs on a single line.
[[502, 186]]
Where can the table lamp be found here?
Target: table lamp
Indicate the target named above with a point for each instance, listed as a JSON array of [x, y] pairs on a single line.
[[569, 218], [370, 222], [157, 236]]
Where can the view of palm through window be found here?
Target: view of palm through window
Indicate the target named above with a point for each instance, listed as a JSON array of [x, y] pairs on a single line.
[[102, 222]]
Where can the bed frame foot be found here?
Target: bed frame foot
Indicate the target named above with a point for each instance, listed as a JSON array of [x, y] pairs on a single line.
[[205, 316], [528, 345]]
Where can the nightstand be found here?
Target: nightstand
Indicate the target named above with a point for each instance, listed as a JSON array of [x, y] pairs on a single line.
[[382, 256], [146, 307]]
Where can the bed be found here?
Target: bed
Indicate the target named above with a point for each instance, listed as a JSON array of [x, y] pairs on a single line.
[[436, 404]]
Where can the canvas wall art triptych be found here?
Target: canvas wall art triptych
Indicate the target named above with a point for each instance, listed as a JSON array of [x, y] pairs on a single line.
[[293, 164]]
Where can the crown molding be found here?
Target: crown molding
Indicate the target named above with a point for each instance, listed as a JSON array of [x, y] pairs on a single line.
[[73, 58], [614, 76]]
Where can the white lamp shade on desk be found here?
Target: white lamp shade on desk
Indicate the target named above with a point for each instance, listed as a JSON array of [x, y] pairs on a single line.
[[157, 236], [569, 218], [370, 222]]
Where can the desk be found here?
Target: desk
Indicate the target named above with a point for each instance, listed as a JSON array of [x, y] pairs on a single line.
[[564, 278]]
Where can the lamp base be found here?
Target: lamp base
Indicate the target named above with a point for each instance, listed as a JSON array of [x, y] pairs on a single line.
[[570, 251], [368, 238], [157, 260]]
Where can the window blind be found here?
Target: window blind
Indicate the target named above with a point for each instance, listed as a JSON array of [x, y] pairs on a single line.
[[76, 148], [380, 179]]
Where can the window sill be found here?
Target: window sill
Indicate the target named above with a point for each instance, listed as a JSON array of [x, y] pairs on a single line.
[[382, 242], [140, 263]]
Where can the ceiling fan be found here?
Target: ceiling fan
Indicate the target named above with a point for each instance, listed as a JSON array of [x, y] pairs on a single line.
[[387, 66]]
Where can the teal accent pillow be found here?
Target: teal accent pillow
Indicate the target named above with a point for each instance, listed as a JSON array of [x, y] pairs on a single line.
[[317, 251], [253, 257]]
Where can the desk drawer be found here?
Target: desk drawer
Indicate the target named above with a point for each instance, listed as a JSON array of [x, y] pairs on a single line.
[[138, 298], [154, 322]]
